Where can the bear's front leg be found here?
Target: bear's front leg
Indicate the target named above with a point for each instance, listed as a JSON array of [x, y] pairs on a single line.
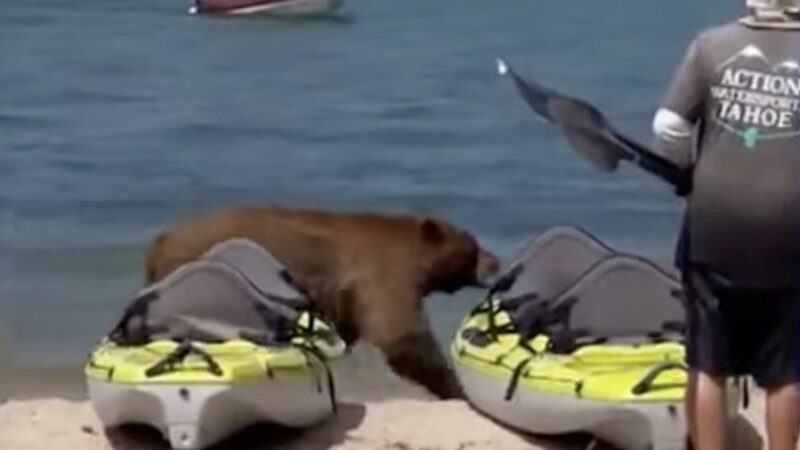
[[401, 330]]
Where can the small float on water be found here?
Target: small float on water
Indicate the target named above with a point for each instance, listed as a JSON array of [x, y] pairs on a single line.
[[220, 344], [273, 7], [576, 337]]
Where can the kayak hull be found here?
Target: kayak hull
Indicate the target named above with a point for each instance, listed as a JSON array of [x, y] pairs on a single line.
[[195, 416], [627, 426], [200, 397], [591, 390]]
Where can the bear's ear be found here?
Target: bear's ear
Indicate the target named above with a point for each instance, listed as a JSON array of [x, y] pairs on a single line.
[[431, 231]]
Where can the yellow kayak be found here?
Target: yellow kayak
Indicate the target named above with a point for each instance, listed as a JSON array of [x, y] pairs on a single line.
[[220, 344], [576, 337]]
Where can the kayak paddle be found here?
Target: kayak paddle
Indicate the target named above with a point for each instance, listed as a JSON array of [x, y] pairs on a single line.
[[590, 133]]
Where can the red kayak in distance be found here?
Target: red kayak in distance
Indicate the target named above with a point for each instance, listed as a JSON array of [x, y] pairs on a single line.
[[276, 7]]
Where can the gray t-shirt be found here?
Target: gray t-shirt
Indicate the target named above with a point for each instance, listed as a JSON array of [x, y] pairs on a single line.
[[741, 86]]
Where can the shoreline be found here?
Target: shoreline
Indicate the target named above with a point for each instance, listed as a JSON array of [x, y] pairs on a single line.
[[33, 383], [362, 377]]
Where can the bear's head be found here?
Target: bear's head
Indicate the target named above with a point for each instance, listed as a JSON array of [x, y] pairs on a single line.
[[453, 258]]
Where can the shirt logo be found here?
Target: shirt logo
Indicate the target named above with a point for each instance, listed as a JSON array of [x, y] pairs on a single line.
[[757, 99]]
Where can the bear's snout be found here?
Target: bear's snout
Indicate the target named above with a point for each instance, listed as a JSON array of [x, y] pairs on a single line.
[[487, 267]]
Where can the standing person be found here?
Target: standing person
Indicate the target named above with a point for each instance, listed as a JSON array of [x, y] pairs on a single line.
[[732, 117]]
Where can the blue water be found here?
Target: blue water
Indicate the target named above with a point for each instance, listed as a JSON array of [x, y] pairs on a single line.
[[118, 117]]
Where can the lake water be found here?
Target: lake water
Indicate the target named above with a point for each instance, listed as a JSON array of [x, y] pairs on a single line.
[[119, 117]]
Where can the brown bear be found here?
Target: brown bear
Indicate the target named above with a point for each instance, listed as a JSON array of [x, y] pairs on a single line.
[[366, 272]]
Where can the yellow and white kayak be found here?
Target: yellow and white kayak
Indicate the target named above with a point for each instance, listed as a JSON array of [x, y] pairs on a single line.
[[591, 390], [197, 393], [629, 395], [576, 337], [221, 343]]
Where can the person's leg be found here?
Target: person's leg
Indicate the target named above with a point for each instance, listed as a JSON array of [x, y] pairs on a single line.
[[710, 413], [707, 353], [689, 403], [775, 367], [783, 416]]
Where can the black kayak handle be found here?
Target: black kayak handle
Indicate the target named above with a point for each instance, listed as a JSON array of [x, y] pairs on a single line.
[[646, 383], [179, 354]]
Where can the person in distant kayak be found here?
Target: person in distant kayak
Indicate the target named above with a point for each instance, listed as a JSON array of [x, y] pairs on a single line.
[[732, 117]]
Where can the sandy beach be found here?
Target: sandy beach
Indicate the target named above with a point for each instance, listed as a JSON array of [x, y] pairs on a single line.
[[400, 424], [378, 412]]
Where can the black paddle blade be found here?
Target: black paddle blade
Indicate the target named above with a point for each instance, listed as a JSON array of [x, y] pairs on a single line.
[[597, 147], [536, 96], [581, 123], [590, 133]]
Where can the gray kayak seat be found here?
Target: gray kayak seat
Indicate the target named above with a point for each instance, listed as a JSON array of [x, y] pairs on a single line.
[[623, 298], [551, 262], [570, 285], [237, 290], [260, 268], [547, 265]]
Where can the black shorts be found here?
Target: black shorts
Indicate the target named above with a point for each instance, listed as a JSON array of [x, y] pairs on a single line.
[[741, 331]]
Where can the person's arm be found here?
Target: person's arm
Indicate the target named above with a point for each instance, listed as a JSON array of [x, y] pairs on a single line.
[[674, 123]]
